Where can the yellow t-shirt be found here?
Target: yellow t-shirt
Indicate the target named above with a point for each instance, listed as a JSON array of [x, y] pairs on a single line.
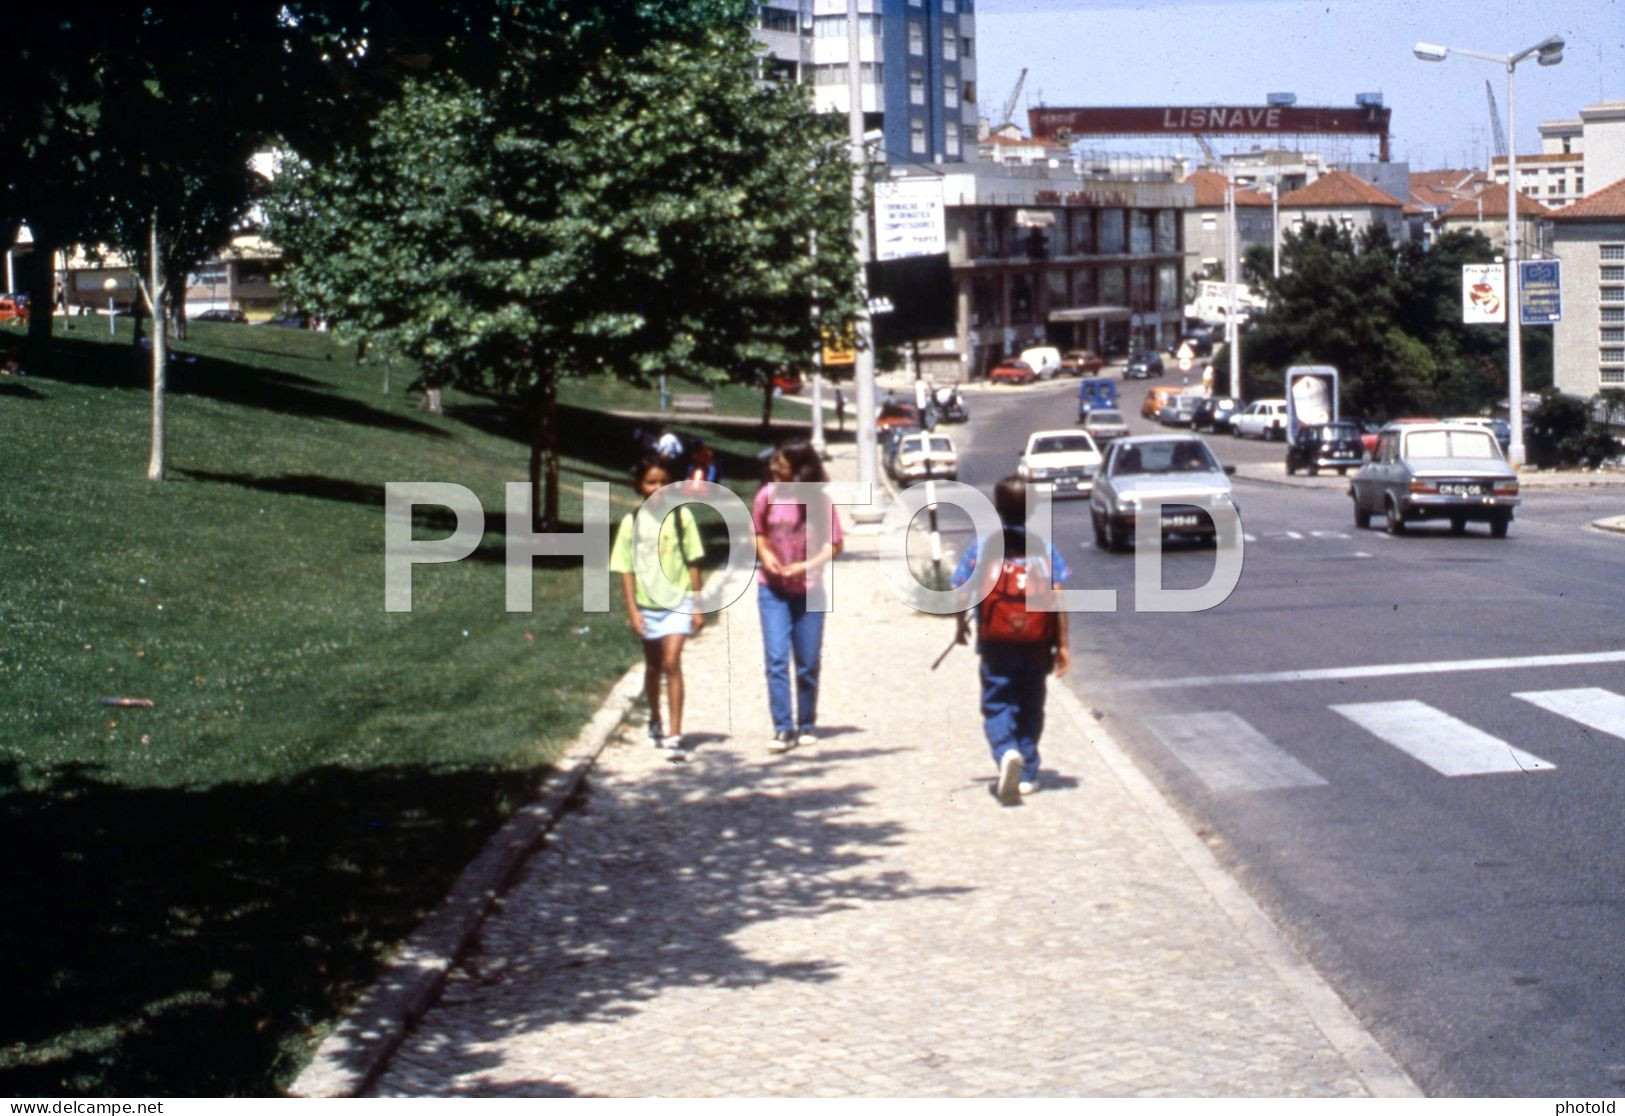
[[660, 568]]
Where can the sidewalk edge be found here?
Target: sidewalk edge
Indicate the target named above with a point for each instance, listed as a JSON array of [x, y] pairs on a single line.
[[1380, 1074], [372, 1030]]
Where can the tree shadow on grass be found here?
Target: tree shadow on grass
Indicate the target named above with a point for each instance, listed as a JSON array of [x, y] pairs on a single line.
[[648, 887], [110, 366], [19, 391]]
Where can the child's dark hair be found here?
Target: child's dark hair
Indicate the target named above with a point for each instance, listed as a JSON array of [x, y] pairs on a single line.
[[1010, 500], [651, 461], [806, 466]]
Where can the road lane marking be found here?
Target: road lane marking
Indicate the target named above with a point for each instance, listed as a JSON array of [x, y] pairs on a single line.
[[1228, 754], [1375, 670], [1450, 746], [1592, 706]]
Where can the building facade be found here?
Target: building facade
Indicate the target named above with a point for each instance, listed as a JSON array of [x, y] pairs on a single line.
[[1588, 345], [1347, 200], [1204, 222], [1589, 149], [917, 68]]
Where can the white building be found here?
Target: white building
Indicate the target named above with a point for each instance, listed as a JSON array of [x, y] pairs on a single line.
[[1588, 345], [1572, 153]]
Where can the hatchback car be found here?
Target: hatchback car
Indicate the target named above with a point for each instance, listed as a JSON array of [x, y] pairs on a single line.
[[1060, 461], [1332, 445], [1177, 469], [1265, 418], [1142, 366], [1178, 410], [1012, 372], [221, 316], [1081, 362], [924, 456], [1105, 426], [1436, 471], [1214, 413]]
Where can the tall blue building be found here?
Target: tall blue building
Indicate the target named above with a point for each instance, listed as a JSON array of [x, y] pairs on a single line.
[[917, 68]]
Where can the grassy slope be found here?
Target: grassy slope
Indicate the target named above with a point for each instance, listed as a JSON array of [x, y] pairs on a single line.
[[198, 887]]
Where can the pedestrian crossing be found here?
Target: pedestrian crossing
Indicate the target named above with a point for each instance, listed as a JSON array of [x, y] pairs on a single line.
[[1229, 755]]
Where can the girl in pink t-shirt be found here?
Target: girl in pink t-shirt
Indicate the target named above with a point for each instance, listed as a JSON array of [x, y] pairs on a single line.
[[790, 630]]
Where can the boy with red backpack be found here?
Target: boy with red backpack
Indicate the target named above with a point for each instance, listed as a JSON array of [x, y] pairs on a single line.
[[1019, 646]]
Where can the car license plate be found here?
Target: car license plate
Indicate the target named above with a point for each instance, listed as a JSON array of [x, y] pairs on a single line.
[[1461, 490], [1179, 521]]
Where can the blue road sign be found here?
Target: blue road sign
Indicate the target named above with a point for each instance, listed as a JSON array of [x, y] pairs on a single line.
[[1540, 292]]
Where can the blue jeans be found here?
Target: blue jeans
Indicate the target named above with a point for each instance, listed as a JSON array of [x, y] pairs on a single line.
[[1013, 682], [790, 628]]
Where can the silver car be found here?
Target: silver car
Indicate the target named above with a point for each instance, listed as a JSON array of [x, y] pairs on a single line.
[[1441, 470], [1176, 468]]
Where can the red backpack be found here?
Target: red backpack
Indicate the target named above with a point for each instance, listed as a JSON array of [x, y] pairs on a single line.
[[1003, 616]]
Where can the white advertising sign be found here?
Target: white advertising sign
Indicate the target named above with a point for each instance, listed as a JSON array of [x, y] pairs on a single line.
[[909, 219], [1483, 294]]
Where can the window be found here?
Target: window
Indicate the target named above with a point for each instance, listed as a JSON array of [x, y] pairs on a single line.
[[916, 37], [1167, 230], [1168, 288], [1139, 232], [950, 95], [970, 94], [1613, 356], [1140, 288], [916, 137], [964, 47], [1613, 251], [1611, 294], [1613, 274], [1055, 287], [1083, 287], [948, 7], [778, 19], [1579, 185], [1113, 287], [950, 143], [950, 45], [1613, 313], [1557, 187], [1246, 224], [1083, 231], [834, 74], [1613, 335], [1210, 223], [1568, 148], [779, 69], [984, 303], [916, 87], [1021, 298], [1612, 375], [1111, 230]]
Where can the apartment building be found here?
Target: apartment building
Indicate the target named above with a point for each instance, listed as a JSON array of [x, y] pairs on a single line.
[[917, 68], [1590, 148], [1344, 199], [1588, 345]]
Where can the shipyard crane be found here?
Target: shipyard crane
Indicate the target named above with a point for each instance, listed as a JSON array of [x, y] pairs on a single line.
[[1015, 95], [1495, 123]]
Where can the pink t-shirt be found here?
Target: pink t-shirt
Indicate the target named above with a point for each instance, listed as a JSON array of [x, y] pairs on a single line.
[[784, 526]]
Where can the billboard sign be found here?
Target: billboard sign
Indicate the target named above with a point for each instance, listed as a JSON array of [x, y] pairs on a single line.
[[1483, 294], [911, 299], [1540, 292], [910, 218], [1311, 396]]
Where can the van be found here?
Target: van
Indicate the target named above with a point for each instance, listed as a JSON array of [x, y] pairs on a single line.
[[1045, 359]]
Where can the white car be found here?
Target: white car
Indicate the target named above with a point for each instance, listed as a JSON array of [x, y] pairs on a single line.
[[925, 456], [1061, 461], [1265, 419]]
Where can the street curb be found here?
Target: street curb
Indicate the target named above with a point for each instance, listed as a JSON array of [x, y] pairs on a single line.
[[1380, 1074], [1615, 523], [357, 1050]]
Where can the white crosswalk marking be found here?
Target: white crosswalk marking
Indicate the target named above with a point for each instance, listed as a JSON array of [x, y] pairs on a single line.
[[1228, 754], [1449, 746], [1592, 706]]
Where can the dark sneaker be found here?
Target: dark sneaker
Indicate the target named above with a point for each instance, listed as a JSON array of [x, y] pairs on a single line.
[[782, 741], [1010, 778]]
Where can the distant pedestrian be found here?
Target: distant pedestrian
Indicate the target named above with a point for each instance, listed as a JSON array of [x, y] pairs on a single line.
[[657, 563], [840, 410], [791, 631], [1018, 648]]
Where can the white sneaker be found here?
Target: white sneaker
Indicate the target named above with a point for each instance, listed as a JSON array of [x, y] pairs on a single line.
[[1009, 778], [782, 741], [1027, 788], [673, 743], [806, 736]]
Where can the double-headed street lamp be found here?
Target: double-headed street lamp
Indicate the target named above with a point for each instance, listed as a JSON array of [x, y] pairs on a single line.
[[1548, 52]]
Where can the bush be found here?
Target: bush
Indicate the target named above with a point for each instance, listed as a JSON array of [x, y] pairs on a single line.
[[1568, 430]]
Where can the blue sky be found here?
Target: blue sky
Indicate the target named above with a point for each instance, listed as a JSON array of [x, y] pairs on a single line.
[[1114, 52]]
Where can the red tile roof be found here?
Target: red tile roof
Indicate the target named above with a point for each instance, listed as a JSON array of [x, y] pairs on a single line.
[[1607, 204], [1447, 180], [1543, 157], [1338, 188], [1493, 203], [1210, 191]]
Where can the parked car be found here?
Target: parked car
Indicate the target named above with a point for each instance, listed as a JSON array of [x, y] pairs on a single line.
[[1060, 461], [1082, 362], [1012, 372], [1265, 418], [1422, 471], [1096, 393], [14, 307], [1142, 366], [1104, 426], [1155, 400], [1177, 468], [221, 316], [288, 321], [1045, 360], [922, 455], [1498, 427], [1368, 432], [889, 439], [1178, 410], [1214, 413], [1332, 445], [787, 383], [898, 414], [950, 404]]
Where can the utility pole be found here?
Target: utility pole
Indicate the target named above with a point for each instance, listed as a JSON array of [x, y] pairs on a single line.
[[864, 367]]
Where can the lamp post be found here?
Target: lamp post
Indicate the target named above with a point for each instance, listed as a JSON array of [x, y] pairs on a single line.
[[1548, 52], [1232, 336], [863, 371], [110, 285]]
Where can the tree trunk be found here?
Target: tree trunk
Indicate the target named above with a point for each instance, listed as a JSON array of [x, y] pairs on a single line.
[[177, 310], [154, 293], [544, 456], [767, 404]]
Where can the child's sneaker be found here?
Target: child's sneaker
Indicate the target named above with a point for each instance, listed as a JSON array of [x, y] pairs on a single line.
[[673, 743], [806, 736], [1009, 778], [782, 741]]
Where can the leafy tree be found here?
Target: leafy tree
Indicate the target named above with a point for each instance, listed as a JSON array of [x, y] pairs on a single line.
[[614, 200]]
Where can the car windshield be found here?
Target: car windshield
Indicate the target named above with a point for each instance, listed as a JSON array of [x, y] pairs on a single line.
[[1164, 457], [1067, 443], [1104, 418], [1473, 444], [1338, 431]]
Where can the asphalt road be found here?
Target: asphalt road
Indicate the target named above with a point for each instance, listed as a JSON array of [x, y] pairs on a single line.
[[1435, 815]]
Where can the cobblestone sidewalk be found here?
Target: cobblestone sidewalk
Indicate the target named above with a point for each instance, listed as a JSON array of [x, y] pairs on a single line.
[[860, 917]]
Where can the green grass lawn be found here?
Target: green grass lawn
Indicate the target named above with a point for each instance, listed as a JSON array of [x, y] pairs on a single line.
[[198, 888]]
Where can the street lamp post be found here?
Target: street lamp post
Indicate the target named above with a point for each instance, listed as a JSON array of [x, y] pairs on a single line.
[[110, 285], [1548, 52], [863, 372]]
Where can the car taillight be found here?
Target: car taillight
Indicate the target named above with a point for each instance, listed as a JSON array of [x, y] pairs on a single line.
[[1506, 488], [1424, 488]]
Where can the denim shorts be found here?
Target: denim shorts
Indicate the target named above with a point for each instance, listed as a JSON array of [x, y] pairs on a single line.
[[659, 623]]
